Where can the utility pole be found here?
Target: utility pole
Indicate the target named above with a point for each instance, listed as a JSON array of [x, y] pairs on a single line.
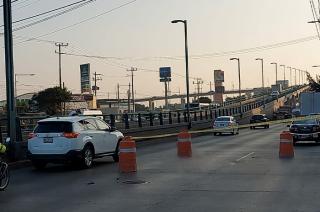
[[198, 84], [118, 95], [132, 87], [59, 45], [95, 82], [11, 104], [129, 96]]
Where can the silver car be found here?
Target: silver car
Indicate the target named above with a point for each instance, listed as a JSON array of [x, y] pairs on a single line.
[[225, 124]]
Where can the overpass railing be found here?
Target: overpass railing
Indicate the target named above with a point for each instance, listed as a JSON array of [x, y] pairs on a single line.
[[143, 120]]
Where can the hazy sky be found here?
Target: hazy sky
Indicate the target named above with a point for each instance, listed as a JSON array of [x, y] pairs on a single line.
[[141, 32]]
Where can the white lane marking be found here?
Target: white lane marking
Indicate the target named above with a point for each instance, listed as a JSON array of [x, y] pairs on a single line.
[[245, 156]]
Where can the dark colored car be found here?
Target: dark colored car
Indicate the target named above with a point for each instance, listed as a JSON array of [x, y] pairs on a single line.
[[305, 130], [259, 119]]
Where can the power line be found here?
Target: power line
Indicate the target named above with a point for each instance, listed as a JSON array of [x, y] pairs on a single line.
[[83, 21], [315, 16], [120, 65], [53, 16], [47, 12], [13, 1], [208, 55], [27, 5]]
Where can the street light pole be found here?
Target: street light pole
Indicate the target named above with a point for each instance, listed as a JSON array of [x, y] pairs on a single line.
[[299, 77], [290, 68], [239, 76], [261, 59], [284, 74], [187, 65], [295, 76], [276, 65]]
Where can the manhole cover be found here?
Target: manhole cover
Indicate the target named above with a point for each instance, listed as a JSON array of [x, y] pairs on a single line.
[[134, 182]]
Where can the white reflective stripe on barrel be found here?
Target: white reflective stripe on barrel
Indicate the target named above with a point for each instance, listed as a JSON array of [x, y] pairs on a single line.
[[128, 150], [184, 139], [285, 141]]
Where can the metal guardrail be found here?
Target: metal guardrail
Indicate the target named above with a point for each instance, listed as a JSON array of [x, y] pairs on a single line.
[[142, 120]]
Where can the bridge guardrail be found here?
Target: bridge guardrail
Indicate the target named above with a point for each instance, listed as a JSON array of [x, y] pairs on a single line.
[[146, 119]]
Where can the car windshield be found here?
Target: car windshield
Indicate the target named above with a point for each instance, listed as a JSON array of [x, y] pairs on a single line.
[[53, 127], [308, 121], [223, 119]]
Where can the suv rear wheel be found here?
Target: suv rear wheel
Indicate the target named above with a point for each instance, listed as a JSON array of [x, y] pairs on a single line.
[[87, 157]]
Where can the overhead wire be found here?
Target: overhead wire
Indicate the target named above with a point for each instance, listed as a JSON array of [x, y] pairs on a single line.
[[120, 65], [217, 54], [13, 1], [52, 16], [26, 5], [315, 17], [48, 12], [83, 21]]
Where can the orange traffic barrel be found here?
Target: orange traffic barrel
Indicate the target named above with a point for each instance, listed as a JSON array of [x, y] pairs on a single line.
[[286, 149], [127, 155], [184, 148]]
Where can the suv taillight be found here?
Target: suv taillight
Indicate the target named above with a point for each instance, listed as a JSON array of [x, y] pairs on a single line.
[[71, 135], [31, 135], [315, 128]]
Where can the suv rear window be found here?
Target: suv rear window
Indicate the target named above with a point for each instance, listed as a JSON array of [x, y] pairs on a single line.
[[53, 127]]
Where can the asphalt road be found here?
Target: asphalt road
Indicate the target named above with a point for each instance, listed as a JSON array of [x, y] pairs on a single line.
[[226, 173]]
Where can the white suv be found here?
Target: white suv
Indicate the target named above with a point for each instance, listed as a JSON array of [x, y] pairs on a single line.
[[76, 139]]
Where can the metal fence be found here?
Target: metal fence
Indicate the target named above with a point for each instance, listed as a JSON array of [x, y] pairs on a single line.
[[142, 120]]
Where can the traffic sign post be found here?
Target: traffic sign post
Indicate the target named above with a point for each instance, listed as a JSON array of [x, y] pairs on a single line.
[[165, 76]]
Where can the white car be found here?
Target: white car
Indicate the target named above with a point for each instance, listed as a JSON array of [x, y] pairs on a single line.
[[225, 124], [77, 139]]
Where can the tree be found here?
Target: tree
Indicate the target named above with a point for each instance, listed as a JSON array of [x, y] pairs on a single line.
[[314, 84], [205, 100], [50, 100]]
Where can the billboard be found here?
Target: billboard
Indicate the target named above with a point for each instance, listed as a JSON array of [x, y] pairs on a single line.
[[85, 78], [165, 72], [165, 79], [220, 89], [218, 76]]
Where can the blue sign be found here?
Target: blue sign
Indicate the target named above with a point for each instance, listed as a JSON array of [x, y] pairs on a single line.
[[165, 72]]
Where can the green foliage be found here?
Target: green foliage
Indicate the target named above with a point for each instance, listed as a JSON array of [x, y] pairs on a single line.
[[314, 84], [50, 100], [205, 100]]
